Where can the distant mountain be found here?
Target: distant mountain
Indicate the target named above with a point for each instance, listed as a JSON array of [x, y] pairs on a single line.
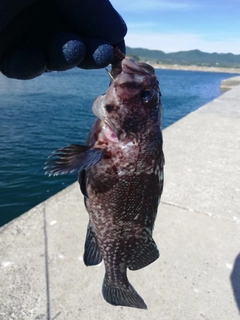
[[192, 57]]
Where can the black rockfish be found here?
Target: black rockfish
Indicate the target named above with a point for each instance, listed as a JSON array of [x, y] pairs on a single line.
[[121, 178]]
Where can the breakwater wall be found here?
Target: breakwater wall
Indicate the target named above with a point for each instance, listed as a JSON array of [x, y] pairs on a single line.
[[230, 83]]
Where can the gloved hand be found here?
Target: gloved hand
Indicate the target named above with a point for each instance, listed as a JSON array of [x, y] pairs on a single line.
[[57, 35]]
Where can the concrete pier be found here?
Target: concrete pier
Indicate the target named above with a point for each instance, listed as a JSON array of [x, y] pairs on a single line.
[[197, 231], [228, 84]]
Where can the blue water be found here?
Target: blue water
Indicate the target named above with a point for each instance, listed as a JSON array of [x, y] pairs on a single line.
[[54, 110]]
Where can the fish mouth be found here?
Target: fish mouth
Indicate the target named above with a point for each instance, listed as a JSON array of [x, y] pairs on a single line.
[[100, 112], [109, 132]]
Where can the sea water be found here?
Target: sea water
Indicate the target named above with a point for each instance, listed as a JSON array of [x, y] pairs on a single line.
[[41, 115]]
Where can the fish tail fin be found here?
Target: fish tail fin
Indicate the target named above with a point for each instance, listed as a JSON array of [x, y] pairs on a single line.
[[119, 296]]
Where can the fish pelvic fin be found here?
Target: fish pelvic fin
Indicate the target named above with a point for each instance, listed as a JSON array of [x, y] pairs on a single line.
[[119, 296], [82, 183], [92, 254], [74, 157], [144, 254]]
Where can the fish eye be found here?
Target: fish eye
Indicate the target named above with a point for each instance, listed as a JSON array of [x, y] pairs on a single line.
[[146, 95]]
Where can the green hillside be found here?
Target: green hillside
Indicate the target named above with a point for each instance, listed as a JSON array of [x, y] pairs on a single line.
[[192, 57]]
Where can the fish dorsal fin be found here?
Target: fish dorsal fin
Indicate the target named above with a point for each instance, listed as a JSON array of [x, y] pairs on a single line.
[[92, 254], [73, 158], [145, 253]]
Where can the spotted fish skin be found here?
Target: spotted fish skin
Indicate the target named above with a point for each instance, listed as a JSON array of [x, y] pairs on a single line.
[[123, 184]]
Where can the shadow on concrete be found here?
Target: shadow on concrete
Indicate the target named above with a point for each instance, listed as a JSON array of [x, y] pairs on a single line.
[[235, 280]]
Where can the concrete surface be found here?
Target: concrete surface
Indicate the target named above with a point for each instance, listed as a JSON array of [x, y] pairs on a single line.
[[228, 84], [197, 230]]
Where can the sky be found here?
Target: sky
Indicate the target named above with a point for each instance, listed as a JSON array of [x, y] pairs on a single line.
[[179, 25]]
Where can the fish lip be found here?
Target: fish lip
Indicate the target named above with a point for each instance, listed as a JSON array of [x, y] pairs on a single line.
[[99, 110]]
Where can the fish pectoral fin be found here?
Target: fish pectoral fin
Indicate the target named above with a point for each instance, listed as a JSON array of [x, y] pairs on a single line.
[[92, 254], [118, 296], [74, 157], [144, 254]]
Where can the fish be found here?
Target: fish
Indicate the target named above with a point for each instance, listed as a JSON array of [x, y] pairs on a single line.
[[121, 177]]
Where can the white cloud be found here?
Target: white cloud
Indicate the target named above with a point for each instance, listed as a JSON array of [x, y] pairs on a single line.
[[182, 42]]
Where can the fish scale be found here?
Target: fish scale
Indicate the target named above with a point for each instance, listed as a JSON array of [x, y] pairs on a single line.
[[121, 178]]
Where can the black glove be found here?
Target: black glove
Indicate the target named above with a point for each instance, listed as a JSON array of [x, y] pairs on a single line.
[[57, 35]]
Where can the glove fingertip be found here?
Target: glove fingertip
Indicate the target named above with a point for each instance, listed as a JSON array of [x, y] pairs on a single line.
[[98, 56], [65, 52]]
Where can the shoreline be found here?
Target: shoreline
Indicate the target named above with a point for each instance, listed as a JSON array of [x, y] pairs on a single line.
[[195, 68]]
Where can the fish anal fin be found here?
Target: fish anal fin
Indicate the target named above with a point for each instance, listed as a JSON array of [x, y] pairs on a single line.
[[119, 296], [146, 253], [92, 254]]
